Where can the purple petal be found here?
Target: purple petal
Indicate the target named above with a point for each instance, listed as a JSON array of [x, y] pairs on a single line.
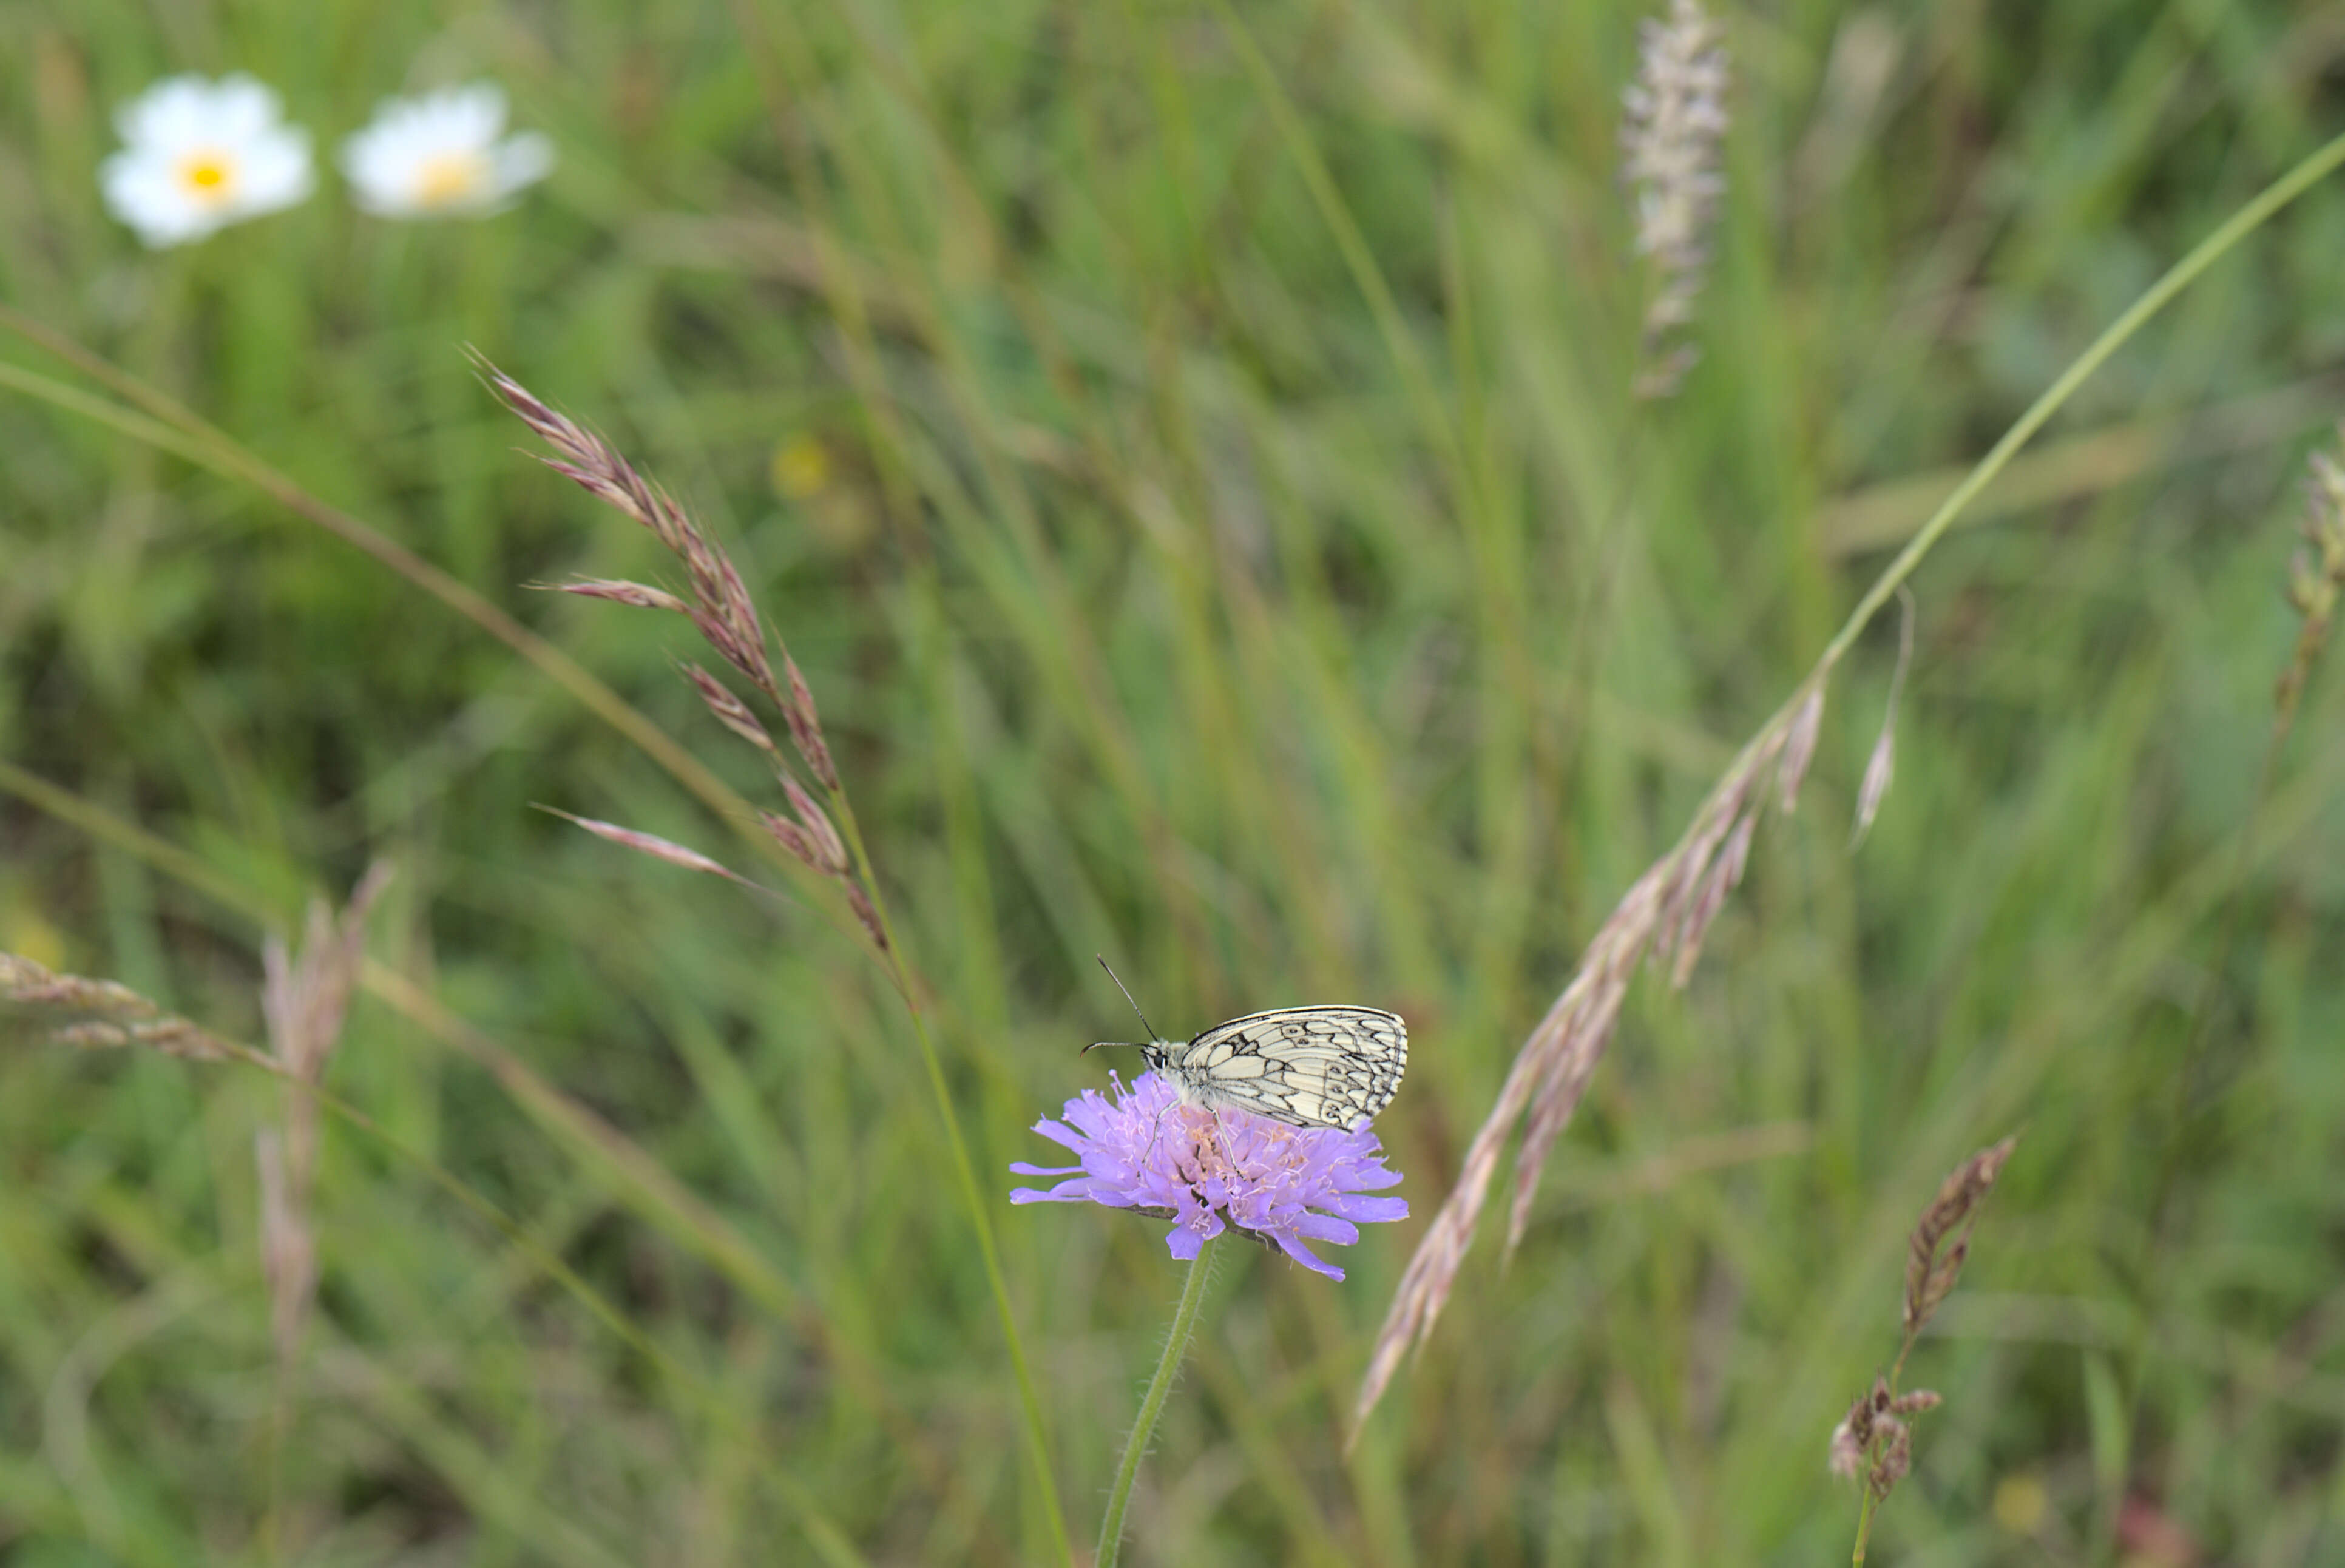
[[1308, 1259], [1326, 1228], [1065, 1192]]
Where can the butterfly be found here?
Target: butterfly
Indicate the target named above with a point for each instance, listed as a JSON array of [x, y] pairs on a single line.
[[1306, 1066]]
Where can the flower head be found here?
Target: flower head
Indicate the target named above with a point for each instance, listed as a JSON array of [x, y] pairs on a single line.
[[1206, 1169], [440, 155], [199, 155]]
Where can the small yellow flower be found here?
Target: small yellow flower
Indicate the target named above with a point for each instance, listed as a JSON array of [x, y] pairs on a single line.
[[444, 155], [2020, 1503], [199, 155], [23, 932], [801, 466]]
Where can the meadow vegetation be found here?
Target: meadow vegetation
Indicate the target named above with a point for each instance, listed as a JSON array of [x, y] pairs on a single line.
[[1192, 452]]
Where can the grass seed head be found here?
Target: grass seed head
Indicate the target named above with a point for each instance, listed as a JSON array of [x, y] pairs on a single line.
[[304, 999], [729, 709], [105, 1014], [1666, 911], [1931, 1266], [656, 847], [1670, 136], [618, 591], [2316, 578], [1800, 748], [830, 850]]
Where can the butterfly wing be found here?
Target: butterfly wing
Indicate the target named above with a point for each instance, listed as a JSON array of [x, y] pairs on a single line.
[[1306, 1066]]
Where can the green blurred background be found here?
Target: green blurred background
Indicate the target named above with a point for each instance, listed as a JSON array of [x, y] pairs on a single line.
[[1188, 450]]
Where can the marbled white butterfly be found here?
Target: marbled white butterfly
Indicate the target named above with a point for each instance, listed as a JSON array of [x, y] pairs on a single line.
[[1306, 1066]]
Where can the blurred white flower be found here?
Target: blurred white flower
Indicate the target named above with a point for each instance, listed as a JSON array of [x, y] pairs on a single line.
[[198, 154], [441, 156]]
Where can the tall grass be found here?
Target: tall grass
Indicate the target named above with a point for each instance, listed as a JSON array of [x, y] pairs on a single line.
[[1182, 447]]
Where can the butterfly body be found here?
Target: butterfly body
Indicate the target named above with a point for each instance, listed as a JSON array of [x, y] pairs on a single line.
[[1306, 1066]]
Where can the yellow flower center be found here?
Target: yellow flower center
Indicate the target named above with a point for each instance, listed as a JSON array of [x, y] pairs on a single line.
[[448, 180], [801, 466], [208, 177]]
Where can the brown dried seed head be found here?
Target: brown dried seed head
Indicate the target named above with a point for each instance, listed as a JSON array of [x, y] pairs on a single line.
[[1929, 1275], [652, 845], [520, 399], [1555, 1064], [749, 633], [793, 838], [586, 459], [288, 1248], [25, 982], [111, 1016], [1725, 875], [1432, 1270], [805, 726], [730, 710], [2326, 524], [1852, 1437], [1882, 764], [861, 902], [1579, 1045], [1914, 1402], [618, 591], [1896, 1442], [821, 835], [1880, 769], [1670, 137], [1845, 1456], [305, 999], [1689, 864], [1800, 746], [172, 1037], [597, 481]]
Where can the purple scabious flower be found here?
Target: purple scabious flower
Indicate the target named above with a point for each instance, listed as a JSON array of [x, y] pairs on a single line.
[[1206, 1169]]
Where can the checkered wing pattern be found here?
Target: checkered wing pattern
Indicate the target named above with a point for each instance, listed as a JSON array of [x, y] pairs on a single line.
[[1306, 1066]]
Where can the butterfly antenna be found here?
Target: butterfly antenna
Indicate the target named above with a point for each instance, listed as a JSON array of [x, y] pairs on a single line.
[[1127, 997]]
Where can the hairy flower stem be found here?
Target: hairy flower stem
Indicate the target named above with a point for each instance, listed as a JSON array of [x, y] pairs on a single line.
[[1151, 1405]]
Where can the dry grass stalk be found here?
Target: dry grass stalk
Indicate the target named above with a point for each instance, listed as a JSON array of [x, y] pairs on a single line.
[[105, 1014], [1668, 143], [719, 607], [304, 999], [1875, 1442], [1665, 917]]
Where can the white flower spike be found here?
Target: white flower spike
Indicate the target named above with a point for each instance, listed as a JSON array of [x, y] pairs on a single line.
[[440, 156], [199, 155]]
